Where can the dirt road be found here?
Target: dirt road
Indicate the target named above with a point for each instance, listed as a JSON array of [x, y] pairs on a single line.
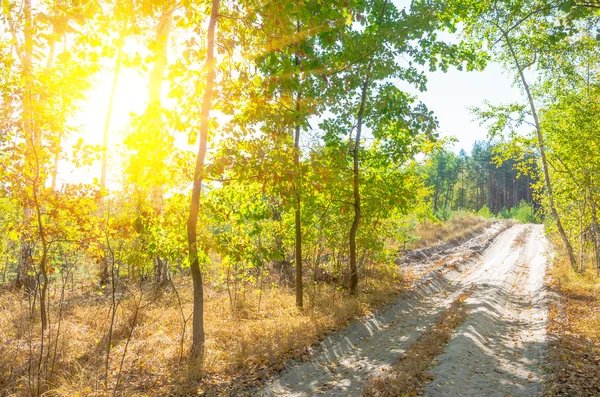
[[498, 351]]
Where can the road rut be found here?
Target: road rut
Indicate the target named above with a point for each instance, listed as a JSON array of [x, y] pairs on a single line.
[[500, 350]]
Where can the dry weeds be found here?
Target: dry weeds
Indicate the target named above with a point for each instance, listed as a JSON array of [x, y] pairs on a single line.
[[409, 376], [521, 238], [455, 229], [243, 347], [574, 329]]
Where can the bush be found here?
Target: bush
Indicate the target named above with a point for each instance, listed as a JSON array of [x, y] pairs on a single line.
[[443, 213], [524, 213], [485, 212]]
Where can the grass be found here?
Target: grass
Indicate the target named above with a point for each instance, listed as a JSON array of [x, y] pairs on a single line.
[[574, 330], [243, 345], [456, 229], [409, 376], [521, 239]]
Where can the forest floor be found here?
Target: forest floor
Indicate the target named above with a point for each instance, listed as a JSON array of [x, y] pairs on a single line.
[[573, 330], [497, 348]]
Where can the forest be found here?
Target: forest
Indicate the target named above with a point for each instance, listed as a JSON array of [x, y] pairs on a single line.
[[463, 182], [281, 174]]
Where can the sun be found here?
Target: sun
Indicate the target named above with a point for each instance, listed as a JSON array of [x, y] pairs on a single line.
[[131, 97]]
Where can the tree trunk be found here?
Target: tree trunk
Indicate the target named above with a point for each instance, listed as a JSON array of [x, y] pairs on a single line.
[[104, 275], [24, 279], [161, 45], [540, 139], [298, 220], [297, 186], [197, 350], [581, 234], [157, 75], [107, 120], [356, 190], [595, 234], [23, 276]]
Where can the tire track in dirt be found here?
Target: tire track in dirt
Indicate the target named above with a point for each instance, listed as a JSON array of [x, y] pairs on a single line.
[[345, 360], [500, 350]]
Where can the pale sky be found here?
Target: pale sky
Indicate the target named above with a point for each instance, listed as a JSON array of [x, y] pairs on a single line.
[[449, 95]]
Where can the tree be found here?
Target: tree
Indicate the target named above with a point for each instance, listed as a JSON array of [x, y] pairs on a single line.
[[524, 32], [151, 142], [367, 98], [197, 349]]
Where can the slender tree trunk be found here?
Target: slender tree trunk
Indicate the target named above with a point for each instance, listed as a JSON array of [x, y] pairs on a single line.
[[462, 187], [197, 350], [104, 275], [298, 220], [55, 169], [595, 233], [49, 62], [356, 190], [297, 188], [581, 239], [161, 45], [106, 134], [23, 277], [541, 146], [42, 268], [157, 75]]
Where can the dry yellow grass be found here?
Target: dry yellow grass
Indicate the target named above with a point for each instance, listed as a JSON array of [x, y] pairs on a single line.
[[574, 328], [581, 293], [242, 347], [456, 228]]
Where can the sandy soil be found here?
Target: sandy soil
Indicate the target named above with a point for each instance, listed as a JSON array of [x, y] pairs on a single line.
[[500, 349], [343, 362]]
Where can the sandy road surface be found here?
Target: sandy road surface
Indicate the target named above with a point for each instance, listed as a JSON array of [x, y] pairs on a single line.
[[497, 351], [344, 361], [500, 349]]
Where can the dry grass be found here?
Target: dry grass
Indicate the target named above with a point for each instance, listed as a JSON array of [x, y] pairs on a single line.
[[574, 328], [243, 346], [409, 376], [460, 225], [521, 238]]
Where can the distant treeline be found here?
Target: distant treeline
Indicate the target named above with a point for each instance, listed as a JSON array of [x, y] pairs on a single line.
[[470, 182]]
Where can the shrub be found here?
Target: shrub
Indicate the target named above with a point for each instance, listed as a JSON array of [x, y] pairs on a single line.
[[524, 213], [443, 213], [485, 212]]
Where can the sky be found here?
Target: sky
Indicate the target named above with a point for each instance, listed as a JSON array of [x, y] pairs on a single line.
[[450, 95]]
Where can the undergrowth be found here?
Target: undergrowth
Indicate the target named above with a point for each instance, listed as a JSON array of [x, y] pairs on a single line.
[[460, 224], [244, 344], [574, 330]]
